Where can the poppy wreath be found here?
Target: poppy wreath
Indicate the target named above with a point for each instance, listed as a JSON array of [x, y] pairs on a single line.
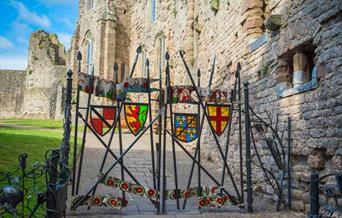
[[217, 201], [129, 187], [114, 202]]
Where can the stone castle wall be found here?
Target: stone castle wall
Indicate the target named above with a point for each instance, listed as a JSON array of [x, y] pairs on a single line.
[[12, 91], [235, 32], [45, 77], [36, 93]]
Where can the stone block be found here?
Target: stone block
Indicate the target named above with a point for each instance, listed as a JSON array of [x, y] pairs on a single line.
[[298, 205], [253, 22], [273, 23], [316, 161], [250, 4]]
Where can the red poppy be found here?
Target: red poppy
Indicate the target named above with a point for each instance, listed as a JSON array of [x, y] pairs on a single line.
[[202, 202], [219, 200], [97, 201], [151, 192], [124, 185], [138, 190], [213, 189], [186, 194], [110, 182], [113, 202], [207, 201], [126, 85]]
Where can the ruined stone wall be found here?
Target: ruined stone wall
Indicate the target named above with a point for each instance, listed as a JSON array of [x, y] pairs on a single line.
[[235, 32], [44, 77], [12, 90]]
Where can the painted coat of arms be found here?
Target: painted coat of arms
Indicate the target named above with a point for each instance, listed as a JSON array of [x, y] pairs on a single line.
[[102, 118], [186, 127], [218, 117], [83, 82], [105, 88], [136, 115]]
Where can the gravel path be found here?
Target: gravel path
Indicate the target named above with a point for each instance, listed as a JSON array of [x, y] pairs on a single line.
[[138, 161]]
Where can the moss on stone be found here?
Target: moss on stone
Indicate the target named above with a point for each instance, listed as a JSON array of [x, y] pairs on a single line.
[[215, 4]]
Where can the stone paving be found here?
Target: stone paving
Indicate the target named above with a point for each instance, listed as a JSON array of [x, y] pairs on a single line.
[[138, 161]]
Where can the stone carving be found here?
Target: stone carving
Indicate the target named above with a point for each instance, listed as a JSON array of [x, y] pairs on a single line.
[[300, 69], [108, 13], [283, 76]]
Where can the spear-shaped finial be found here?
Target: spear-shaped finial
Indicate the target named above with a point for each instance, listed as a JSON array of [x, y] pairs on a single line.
[[147, 62], [181, 53], [139, 49], [167, 56], [79, 56], [116, 67]]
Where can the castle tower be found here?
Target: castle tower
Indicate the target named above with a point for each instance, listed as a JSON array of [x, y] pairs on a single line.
[[102, 36]]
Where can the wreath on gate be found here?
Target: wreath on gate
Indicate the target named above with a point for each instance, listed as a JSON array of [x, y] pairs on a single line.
[[207, 196]]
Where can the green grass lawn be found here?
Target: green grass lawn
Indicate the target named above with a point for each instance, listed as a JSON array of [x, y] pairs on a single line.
[[35, 142], [50, 124]]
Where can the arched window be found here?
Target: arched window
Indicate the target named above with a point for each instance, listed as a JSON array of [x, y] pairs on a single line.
[[153, 11], [90, 4], [88, 48]]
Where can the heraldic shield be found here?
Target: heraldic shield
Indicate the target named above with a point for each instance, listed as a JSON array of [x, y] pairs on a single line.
[[186, 126], [102, 118], [218, 117], [136, 115]]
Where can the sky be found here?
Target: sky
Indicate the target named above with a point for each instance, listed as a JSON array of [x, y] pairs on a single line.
[[19, 18]]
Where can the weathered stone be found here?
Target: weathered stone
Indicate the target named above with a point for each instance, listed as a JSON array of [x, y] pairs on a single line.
[[337, 160], [298, 205], [273, 23], [316, 161], [302, 173], [45, 76]]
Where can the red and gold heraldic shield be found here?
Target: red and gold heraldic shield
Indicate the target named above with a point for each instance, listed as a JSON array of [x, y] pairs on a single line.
[[218, 117]]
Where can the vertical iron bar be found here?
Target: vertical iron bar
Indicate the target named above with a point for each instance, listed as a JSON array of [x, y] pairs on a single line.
[[231, 112], [199, 140], [240, 134], [289, 186], [314, 196], [51, 206], [160, 120], [91, 88], [150, 118], [116, 68], [169, 103], [79, 58], [166, 97], [248, 150]]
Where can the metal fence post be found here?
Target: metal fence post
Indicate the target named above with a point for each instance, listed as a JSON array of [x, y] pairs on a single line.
[[51, 206], [314, 196], [248, 150]]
